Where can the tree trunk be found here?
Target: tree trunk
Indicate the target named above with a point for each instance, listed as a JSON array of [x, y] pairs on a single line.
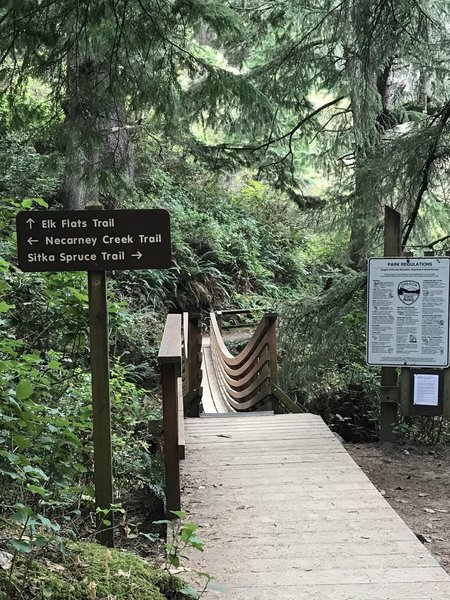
[[81, 174], [96, 132]]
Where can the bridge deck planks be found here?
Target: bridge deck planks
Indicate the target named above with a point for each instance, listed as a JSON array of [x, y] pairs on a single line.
[[212, 400], [288, 515]]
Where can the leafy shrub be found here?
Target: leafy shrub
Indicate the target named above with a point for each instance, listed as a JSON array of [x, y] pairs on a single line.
[[23, 171], [322, 349]]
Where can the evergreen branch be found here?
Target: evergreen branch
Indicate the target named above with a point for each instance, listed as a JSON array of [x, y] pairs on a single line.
[[289, 135], [195, 59], [423, 12], [433, 244], [253, 9], [431, 157], [308, 33], [400, 24], [276, 162], [378, 13]]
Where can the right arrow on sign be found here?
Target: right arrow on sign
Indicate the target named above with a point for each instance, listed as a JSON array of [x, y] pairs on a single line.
[[138, 255]]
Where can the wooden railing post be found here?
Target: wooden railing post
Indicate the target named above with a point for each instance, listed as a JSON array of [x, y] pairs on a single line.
[[193, 366], [271, 336], [272, 345], [170, 361], [185, 372]]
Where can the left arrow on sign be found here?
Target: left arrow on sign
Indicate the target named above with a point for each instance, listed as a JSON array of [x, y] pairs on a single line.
[[30, 222], [31, 241]]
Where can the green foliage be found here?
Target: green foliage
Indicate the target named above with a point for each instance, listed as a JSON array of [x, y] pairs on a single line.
[[239, 245], [183, 535], [322, 347], [425, 431], [84, 571], [30, 164], [23, 171]]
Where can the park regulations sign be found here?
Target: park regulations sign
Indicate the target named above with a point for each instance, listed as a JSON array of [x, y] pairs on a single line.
[[408, 312], [93, 240]]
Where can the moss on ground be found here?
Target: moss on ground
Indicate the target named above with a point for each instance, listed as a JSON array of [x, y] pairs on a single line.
[[89, 571]]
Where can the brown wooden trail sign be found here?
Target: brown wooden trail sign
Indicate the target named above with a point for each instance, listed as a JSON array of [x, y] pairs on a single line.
[[93, 240], [96, 241]]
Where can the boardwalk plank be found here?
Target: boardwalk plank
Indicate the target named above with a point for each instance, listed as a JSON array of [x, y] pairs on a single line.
[[288, 515]]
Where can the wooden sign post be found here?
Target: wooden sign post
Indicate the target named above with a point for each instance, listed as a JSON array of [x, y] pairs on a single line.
[[96, 241], [101, 409], [390, 393]]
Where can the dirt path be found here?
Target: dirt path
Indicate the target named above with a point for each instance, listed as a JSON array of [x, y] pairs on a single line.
[[416, 482]]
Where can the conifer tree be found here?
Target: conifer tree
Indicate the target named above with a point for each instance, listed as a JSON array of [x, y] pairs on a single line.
[[365, 81], [106, 61]]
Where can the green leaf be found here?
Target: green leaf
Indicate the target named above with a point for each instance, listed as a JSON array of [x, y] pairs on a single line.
[[35, 489], [22, 514], [20, 546], [40, 540], [174, 560], [5, 307], [82, 296], [48, 524], [212, 585], [10, 474], [21, 441], [35, 472], [4, 265], [41, 202], [190, 592], [179, 513], [54, 364], [189, 528], [24, 389], [197, 543]]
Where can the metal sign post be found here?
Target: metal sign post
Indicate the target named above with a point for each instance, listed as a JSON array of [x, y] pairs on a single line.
[[96, 241]]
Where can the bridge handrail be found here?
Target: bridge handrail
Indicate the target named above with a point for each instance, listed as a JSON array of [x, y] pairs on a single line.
[[250, 378], [237, 361], [245, 379]]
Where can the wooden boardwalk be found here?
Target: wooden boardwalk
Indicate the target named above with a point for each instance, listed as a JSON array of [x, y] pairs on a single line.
[[212, 401], [288, 515]]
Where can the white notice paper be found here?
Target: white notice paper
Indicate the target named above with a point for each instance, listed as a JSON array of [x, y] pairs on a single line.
[[426, 389]]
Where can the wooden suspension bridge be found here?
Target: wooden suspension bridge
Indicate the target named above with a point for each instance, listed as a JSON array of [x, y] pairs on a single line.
[[285, 512]]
